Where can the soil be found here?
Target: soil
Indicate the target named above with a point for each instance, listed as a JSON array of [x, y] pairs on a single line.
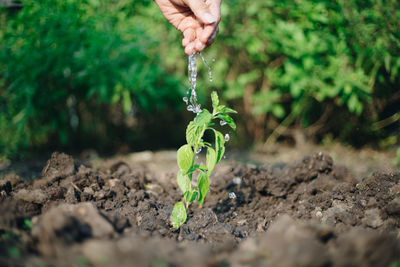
[[309, 212]]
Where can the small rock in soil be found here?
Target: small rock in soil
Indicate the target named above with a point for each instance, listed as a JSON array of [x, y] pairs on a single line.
[[393, 207], [372, 218]]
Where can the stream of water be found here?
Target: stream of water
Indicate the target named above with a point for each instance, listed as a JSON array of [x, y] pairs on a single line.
[[191, 98], [191, 102]]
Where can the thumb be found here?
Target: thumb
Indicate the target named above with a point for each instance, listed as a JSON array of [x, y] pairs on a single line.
[[201, 11]]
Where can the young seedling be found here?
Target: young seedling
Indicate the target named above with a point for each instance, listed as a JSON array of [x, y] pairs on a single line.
[[187, 157]]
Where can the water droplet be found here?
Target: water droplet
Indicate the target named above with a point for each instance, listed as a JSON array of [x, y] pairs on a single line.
[[232, 195], [190, 108], [213, 59], [198, 150], [236, 180], [227, 137], [186, 100], [197, 109], [208, 66], [222, 123]]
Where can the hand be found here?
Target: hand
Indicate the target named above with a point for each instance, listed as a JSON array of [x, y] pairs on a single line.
[[196, 19]]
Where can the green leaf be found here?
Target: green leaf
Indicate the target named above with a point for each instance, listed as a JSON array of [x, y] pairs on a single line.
[[183, 180], [221, 154], [278, 111], [185, 157], [191, 170], [228, 110], [191, 133], [211, 160], [203, 182], [219, 145], [203, 144], [354, 104], [228, 120], [126, 101], [194, 133], [178, 215], [220, 108], [28, 224], [215, 100], [190, 196], [224, 109], [203, 118]]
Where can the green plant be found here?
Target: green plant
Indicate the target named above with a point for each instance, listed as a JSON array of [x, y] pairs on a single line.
[[186, 157], [396, 160], [72, 72], [27, 224]]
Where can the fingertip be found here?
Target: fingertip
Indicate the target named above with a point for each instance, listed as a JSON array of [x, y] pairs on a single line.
[[189, 49], [207, 32], [185, 42], [204, 37], [189, 35], [199, 46]]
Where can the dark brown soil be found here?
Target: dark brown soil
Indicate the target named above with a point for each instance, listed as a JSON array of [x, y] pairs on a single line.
[[307, 213]]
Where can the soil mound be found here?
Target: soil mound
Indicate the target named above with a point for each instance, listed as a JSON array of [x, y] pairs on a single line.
[[307, 213]]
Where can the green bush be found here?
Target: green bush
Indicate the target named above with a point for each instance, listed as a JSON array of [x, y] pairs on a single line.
[[331, 67], [324, 65], [65, 64]]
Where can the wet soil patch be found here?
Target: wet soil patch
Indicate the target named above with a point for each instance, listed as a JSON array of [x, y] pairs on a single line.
[[306, 213]]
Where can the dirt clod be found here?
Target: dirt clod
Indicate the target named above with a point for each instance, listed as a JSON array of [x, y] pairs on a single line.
[[67, 224], [34, 196]]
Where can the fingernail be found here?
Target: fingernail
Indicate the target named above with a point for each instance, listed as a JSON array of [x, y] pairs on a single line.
[[209, 18]]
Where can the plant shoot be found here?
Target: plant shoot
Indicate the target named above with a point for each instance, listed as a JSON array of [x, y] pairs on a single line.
[[189, 168]]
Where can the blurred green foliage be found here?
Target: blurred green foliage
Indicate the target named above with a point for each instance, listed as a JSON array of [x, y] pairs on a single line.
[[329, 67], [62, 63]]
